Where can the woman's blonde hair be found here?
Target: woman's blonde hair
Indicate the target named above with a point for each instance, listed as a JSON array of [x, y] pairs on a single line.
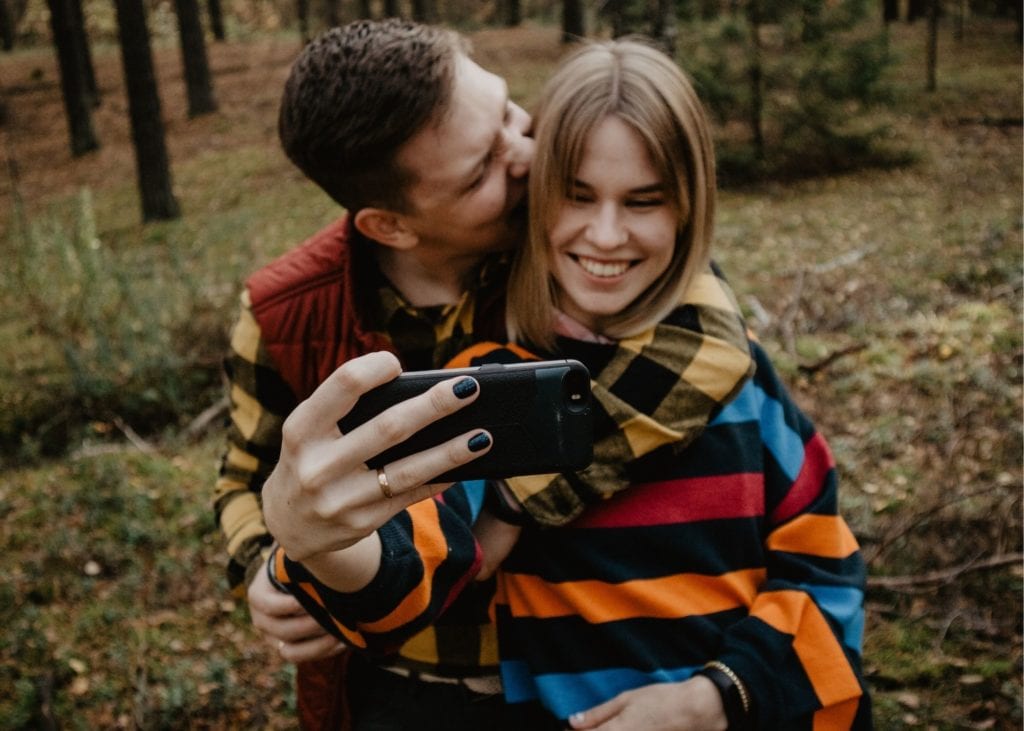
[[648, 91]]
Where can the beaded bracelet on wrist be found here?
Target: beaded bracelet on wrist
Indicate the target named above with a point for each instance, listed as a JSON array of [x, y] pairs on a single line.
[[735, 698]]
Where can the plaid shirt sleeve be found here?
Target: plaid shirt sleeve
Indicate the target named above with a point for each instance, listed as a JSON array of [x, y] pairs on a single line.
[[260, 400], [660, 387]]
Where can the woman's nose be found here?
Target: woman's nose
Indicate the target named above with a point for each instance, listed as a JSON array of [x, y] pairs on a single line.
[[606, 229]]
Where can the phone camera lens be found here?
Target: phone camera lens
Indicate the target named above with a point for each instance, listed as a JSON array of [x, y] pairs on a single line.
[[576, 391]]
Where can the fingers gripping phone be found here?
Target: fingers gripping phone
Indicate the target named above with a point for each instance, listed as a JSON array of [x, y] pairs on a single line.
[[538, 413]]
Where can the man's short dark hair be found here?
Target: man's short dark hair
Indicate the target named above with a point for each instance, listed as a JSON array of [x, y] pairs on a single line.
[[355, 95]]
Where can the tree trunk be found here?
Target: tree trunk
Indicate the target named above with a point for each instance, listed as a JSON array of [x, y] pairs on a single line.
[[756, 79], [961, 19], [666, 27], [917, 9], [933, 44], [616, 15], [151, 162], [7, 29], [193, 56], [216, 19], [510, 13], [365, 9], [423, 11], [572, 21], [890, 10], [391, 9], [77, 101], [302, 10], [331, 15], [82, 42]]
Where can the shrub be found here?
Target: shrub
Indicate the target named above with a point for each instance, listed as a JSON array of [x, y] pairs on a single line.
[[112, 336]]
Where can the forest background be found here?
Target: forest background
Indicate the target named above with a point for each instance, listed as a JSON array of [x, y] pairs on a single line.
[[870, 222]]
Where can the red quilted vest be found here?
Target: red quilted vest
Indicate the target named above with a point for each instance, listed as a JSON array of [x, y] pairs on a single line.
[[306, 305]]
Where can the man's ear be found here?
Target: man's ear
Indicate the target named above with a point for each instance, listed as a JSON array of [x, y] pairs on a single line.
[[385, 227]]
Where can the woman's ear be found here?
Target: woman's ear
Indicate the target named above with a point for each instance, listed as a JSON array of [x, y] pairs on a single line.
[[385, 227]]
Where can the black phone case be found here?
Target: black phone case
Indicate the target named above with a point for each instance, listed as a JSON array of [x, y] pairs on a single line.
[[537, 412]]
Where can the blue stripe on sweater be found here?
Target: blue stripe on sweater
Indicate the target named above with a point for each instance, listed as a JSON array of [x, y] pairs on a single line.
[[844, 604], [753, 404], [474, 491], [567, 693]]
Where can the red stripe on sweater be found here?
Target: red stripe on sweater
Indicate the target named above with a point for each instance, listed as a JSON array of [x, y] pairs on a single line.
[[818, 460], [683, 500]]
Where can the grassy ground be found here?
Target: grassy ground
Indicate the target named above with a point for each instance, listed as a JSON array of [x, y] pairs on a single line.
[[891, 300]]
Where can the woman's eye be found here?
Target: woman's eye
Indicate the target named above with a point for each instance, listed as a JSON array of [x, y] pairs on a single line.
[[645, 202]]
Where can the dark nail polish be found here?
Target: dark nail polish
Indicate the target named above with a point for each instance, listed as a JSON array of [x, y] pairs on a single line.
[[465, 388], [479, 441]]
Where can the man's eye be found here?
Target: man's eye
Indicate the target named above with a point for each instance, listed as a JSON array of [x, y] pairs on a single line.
[[477, 182]]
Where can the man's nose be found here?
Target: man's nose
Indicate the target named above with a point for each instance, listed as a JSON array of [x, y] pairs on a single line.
[[519, 145]]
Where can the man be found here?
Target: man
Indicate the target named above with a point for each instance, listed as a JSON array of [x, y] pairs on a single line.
[[428, 155]]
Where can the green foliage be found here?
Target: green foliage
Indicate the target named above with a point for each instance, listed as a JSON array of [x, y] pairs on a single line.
[[801, 78], [123, 330]]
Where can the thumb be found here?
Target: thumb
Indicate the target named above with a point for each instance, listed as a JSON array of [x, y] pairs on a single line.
[[598, 714]]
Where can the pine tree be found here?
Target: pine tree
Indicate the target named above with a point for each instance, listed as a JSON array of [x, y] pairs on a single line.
[[151, 161], [74, 83], [193, 56], [801, 74], [572, 21]]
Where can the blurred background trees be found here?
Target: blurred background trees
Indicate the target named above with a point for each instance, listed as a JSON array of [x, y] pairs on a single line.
[[799, 76], [794, 86]]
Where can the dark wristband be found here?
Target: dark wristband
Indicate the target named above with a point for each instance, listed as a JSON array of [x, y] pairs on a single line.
[[496, 502], [736, 716]]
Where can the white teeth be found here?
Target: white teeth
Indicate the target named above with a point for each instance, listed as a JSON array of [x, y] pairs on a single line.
[[602, 268]]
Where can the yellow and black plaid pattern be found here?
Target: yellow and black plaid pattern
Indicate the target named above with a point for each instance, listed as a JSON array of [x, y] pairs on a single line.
[[660, 387]]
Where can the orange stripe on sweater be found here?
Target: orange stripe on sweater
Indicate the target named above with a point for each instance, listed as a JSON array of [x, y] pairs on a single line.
[[353, 638], [795, 613], [815, 535], [430, 543], [838, 717], [669, 597], [466, 357]]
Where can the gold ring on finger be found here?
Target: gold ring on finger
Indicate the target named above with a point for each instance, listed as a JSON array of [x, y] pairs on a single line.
[[385, 487]]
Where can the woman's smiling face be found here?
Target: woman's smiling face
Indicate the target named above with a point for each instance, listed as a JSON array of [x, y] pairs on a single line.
[[615, 233]]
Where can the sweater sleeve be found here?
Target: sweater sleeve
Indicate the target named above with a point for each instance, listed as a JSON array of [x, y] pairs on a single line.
[[428, 556], [799, 650]]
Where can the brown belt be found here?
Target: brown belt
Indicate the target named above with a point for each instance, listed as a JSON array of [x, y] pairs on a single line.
[[484, 685]]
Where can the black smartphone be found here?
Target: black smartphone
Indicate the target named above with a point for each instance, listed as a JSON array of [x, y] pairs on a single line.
[[538, 413]]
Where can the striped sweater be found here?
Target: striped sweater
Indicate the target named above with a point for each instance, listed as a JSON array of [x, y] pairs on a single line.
[[730, 549]]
